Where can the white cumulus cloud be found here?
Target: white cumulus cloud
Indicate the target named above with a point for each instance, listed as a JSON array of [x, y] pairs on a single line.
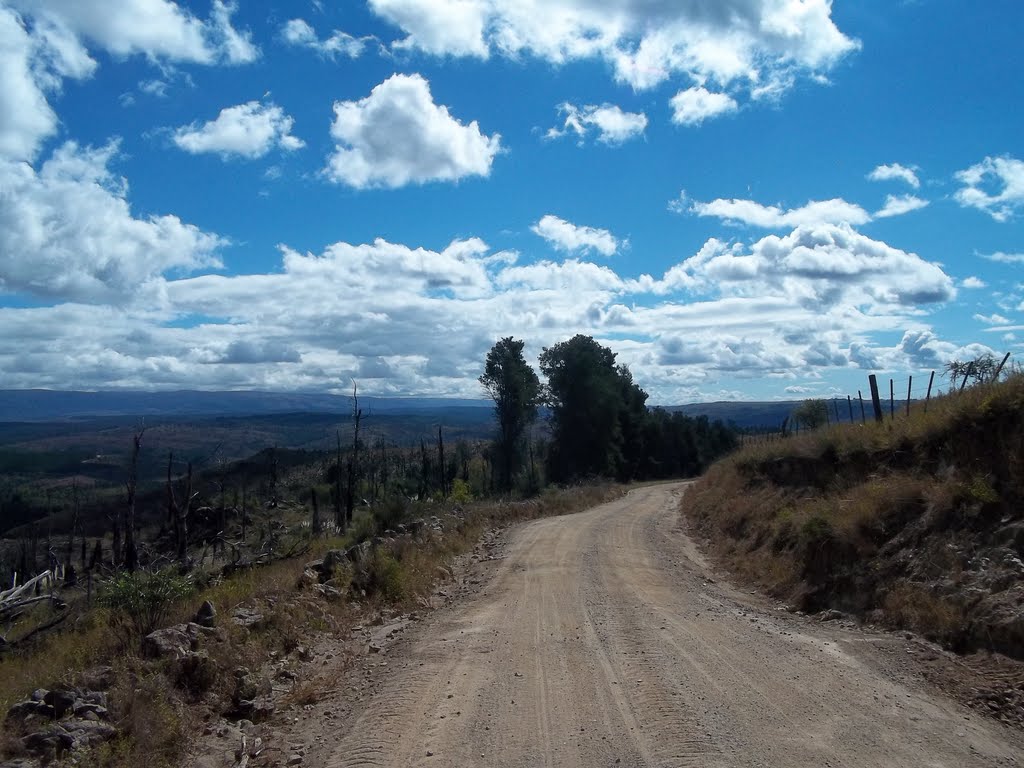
[[695, 105], [613, 124], [995, 185], [571, 238], [44, 42], [68, 233], [155, 28], [835, 211], [1004, 258], [397, 136], [896, 172], [249, 130], [300, 33], [897, 205], [761, 42]]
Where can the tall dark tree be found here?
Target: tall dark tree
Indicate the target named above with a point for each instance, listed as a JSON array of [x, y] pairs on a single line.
[[515, 389], [585, 395]]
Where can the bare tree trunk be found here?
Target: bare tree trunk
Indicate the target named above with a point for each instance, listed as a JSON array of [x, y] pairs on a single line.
[[70, 576], [339, 508], [245, 504], [316, 524], [440, 458], [424, 471], [131, 553], [183, 512], [353, 460]]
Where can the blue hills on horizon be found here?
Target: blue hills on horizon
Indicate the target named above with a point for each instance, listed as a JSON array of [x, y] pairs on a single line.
[[45, 405]]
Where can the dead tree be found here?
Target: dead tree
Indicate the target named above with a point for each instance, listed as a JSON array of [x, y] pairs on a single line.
[[131, 553], [177, 512], [71, 577], [353, 458], [440, 460], [339, 508], [317, 525]]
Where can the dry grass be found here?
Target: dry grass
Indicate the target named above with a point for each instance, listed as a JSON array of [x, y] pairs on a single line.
[[157, 718], [819, 518]]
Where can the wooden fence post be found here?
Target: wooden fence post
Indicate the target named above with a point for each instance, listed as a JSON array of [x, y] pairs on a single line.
[[995, 376], [849, 403], [860, 397], [875, 400], [892, 400], [929, 395], [835, 407], [967, 375], [910, 381]]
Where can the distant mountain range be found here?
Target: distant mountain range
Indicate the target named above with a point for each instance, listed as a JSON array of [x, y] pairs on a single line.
[[53, 405], [42, 405]]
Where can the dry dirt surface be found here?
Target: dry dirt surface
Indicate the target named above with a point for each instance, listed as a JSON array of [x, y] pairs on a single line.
[[604, 639]]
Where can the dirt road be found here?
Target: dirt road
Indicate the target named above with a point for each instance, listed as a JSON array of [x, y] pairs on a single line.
[[600, 641]]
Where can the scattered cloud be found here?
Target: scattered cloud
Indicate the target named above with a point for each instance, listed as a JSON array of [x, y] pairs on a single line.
[[695, 105], [992, 319], [397, 136], [247, 130], [762, 43], [298, 32], [573, 239], [419, 321], [897, 205], [160, 29], [995, 186], [614, 126], [973, 282], [751, 213], [1004, 258], [67, 233], [896, 172], [44, 42]]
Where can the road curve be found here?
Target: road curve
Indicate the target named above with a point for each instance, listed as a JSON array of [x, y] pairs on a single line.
[[599, 641]]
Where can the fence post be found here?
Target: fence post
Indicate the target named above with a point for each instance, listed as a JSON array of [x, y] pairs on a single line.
[[967, 375], [849, 403], [860, 397], [875, 400], [892, 400], [910, 381], [835, 407], [929, 395], [995, 376]]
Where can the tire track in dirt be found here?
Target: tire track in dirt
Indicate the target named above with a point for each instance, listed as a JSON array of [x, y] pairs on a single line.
[[602, 640]]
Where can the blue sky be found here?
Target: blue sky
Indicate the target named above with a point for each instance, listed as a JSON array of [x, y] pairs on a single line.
[[745, 199]]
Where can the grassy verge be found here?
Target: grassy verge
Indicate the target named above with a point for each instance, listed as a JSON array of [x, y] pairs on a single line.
[[156, 714], [914, 522]]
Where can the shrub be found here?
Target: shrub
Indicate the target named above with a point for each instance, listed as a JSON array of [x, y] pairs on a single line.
[[140, 602], [461, 493]]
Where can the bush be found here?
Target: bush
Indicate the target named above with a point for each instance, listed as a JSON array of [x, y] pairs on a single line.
[[140, 602], [461, 493]]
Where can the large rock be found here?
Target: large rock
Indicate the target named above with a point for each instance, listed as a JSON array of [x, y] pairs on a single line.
[[249, 618], [170, 643], [62, 701], [26, 709], [49, 744], [195, 672], [89, 733], [206, 616], [251, 698]]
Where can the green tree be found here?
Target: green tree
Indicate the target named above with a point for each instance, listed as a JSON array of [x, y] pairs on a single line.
[[811, 414], [515, 389], [585, 394]]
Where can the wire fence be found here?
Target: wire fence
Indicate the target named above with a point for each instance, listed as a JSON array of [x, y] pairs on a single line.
[[883, 399]]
